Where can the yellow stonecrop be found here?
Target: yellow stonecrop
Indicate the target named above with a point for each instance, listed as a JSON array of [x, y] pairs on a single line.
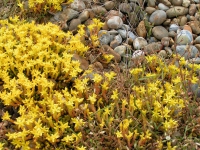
[[40, 5], [36, 59]]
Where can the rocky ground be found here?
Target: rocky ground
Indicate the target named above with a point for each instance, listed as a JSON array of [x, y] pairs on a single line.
[[136, 28]]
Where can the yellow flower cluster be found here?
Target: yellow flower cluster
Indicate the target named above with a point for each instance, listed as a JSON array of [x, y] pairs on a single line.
[[36, 59], [40, 5]]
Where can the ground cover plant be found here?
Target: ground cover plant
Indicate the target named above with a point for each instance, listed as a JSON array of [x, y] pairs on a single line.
[[48, 102]]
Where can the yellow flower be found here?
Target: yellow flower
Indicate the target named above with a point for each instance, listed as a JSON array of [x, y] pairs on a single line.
[[97, 78], [129, 135], [169, 147], [92, 98], [108, 57], [81, 148], [119, 134], [177, 80], [53, 137], [6, 116], [78, 123], [105, 85], [194, 79], [115, 94], [110, 75], [1, 145], [68, 139]]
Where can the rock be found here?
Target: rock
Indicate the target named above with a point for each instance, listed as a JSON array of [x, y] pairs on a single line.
[[177, 2], [141, 30], [109, 50], [187, 51], [126, 27], [137, 54], [104, 37], [118, 38], [78, 5], [172, 34], [183, 21], [150, 10], [125, 8], [152, 48], [165, 2], [173, 27], [109, 5], [139, 43], [151, 3], [84, 64], [84, 16], [162, 54], [152, 39], [169, 51], [158, 17], [74, 24], [167, 22], [121, 50], [99, 10], [97, 66], [68, 14], [195, 25], [186, 3], [192, 9], [116, 42], [197, 46], [194, 60], [163, 7], [176, 11], [186, 27], [112, 13], [131, 35], [123, 33], [165, 41], [184, 37], [159, 32], [197, 40], [115, 22]]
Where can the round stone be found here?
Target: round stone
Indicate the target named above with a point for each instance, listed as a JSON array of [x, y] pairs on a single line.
[[173, 27], [197, 40], [78, 5], [109, 5], [121, 50], [184, 37], [177, 2], [131, 35], [187, 51], [158, 17], [186, 3], [74, 24], [84, 16], [162, 54], [123, 33], [104, 37], [139, 43], [137, 54], [159, 32], [176, 11], [115, 22], [163, 7], [125, 8]]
